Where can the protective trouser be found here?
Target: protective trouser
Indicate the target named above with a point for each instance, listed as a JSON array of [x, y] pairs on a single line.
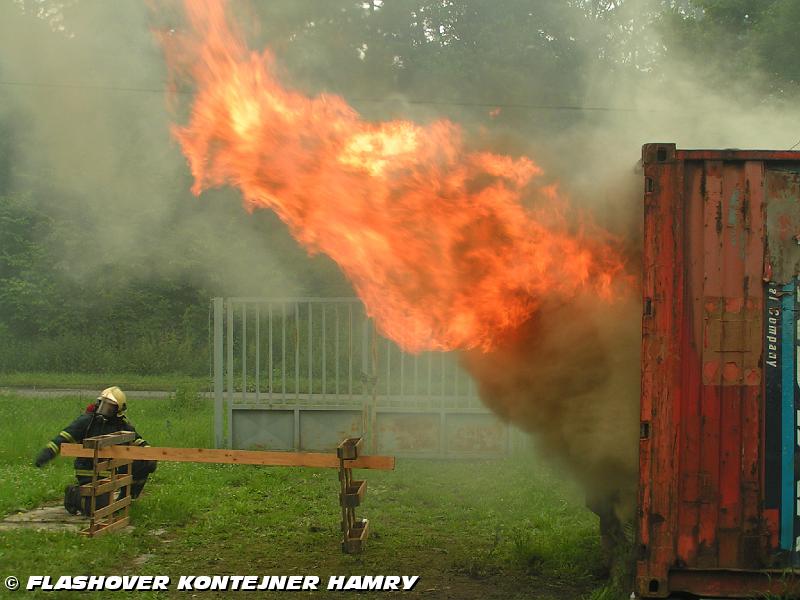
[[140, 472]]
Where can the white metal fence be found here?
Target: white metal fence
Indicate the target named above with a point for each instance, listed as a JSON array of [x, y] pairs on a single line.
[[322, 361]]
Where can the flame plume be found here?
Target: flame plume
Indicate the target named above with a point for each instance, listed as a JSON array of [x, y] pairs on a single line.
[[433, 235]]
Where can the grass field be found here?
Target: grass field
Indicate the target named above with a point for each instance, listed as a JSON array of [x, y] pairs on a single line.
[[99, 381], [470, 529]]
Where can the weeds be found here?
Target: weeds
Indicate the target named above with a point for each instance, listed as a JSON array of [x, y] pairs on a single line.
[[185, 398]]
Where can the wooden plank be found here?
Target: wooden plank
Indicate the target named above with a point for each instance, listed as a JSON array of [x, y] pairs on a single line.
[[109, 439], [355, 539], [353, 494], [349, 449], [112, 463], [105, 485], [112, 508], [103, 529], [242, 457]]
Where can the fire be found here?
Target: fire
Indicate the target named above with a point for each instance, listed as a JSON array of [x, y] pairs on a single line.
[[433, 235]]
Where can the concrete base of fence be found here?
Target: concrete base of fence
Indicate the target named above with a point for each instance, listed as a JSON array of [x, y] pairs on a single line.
[[399, 432]]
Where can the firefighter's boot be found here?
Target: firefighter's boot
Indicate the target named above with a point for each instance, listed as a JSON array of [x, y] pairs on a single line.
[[72, 499]]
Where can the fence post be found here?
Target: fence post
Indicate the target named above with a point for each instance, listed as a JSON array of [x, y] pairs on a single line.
[[218, 373], [366, 386], [228, 437]]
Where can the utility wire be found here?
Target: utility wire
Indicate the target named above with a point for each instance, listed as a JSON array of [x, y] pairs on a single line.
[[501, 105], [520, 105], [795, 146], [389, 100], [84, 86]]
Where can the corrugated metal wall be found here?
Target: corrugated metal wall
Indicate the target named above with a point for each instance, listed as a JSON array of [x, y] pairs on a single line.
[[719, 497]]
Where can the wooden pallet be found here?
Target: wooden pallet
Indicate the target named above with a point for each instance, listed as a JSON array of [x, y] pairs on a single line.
[[114, 515]]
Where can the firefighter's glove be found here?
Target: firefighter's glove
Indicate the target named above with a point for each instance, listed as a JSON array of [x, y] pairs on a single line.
[[44, 457]]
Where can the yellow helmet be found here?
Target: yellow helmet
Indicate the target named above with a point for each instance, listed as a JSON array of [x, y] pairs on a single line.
[[115, 396]]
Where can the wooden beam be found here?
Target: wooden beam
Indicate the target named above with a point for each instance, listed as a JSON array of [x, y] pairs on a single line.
[[105, 485], [104, 529], [109, 439], [350, 448], [112, 463], [112, 508], [242, 457]]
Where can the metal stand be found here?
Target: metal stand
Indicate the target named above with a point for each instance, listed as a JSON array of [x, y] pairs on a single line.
[[355, 531], [113, 515]]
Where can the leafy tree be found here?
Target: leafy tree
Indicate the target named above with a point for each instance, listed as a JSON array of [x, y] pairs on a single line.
[[738, 40], [420, 58], [26, 293]]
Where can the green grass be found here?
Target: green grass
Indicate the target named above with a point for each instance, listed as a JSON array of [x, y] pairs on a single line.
[[470, 529], [170, 382]]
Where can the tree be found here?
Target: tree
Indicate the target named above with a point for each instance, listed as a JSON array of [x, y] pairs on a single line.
[[738, 40]]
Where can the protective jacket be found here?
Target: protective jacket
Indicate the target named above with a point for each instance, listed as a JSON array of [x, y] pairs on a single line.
[[88, 425]]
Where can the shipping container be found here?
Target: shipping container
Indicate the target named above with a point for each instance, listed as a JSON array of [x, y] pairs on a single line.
[[719, 493]]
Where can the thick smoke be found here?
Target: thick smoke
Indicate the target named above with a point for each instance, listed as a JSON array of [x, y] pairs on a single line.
[[571, 374], [85, 96], [570, 377]]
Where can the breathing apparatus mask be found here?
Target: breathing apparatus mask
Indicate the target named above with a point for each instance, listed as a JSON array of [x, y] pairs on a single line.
[[107, 408], [111, 403]]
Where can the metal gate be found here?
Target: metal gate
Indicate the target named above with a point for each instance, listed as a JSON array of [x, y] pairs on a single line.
[[303, 373]]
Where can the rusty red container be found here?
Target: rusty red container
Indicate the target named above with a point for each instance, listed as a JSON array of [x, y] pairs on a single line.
[[719, 493]]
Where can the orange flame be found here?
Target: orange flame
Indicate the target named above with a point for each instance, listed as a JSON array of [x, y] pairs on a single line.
[[433, 236]]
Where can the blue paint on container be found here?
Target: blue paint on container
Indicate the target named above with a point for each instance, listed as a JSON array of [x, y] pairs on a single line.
[[787, 417]]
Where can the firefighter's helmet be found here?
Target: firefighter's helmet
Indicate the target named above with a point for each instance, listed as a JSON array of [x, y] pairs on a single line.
[[109, 399]]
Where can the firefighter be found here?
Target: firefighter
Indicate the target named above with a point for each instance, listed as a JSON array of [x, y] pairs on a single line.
[[106, 415]]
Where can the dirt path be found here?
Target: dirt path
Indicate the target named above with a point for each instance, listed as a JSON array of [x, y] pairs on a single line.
[[51, 517]]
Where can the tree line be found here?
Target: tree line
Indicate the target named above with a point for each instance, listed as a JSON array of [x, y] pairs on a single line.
[[453, 57]]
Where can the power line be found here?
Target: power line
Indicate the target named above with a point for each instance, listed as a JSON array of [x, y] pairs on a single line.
[[83, 86], [387, 100], [502, 105], [795, 146]]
